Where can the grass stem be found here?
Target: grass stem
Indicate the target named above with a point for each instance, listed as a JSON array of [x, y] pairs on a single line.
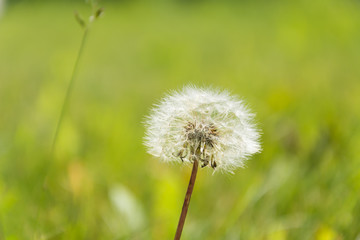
[[68, 91], [43, 190]]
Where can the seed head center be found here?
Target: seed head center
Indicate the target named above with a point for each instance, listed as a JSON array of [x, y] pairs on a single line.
[[200, 143]]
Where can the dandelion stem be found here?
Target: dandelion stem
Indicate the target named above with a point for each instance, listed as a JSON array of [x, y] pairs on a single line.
[[187, 200]]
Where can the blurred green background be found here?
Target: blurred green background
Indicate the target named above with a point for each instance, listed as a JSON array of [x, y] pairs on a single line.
[[295, 62]]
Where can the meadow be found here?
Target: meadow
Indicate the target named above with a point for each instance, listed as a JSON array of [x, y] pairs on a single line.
[[296, 63]]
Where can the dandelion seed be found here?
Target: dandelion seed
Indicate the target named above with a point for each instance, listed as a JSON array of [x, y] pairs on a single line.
[[201, 126]]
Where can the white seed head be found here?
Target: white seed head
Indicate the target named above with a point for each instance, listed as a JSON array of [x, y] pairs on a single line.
[[205, 125]]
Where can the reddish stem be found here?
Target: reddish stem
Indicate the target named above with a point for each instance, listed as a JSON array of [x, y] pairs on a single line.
[[186, 201]]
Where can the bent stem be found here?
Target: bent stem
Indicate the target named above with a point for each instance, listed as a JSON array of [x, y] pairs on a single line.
[[187, 200]]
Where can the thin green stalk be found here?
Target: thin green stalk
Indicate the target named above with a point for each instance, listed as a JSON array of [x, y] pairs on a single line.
[[68, 92], [64, 106]]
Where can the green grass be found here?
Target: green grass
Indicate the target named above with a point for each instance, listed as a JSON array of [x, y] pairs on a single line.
[[296, 64]]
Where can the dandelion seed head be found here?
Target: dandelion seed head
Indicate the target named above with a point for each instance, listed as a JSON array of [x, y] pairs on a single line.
[[202, 124]]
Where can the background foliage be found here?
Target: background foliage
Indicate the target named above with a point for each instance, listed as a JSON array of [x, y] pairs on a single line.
[[295, 62]]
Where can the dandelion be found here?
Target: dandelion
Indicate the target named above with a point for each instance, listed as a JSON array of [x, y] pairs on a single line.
[[205, 125], [201, 126]]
